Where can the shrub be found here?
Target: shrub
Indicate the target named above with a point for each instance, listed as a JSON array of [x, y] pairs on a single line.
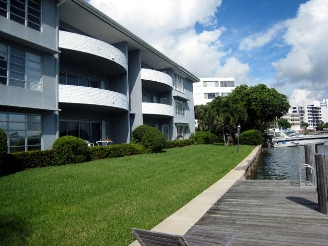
[[150, 137], [179, 143], [3, 144], [251, 137], [113, 151], [203, 137], [70, 149]]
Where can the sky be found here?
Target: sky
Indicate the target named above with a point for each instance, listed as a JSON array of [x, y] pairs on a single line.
[[280, 43]]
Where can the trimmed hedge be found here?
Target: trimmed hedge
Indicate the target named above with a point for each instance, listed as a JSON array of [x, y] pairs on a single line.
[[251, 137], [150, 137], [113, 151], [70, 149], [3, 143], [203, 137], [179, 143]]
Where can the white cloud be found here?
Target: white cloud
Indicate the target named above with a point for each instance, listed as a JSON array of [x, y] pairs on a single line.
[[305, 65], [169, 26], [260, 39]]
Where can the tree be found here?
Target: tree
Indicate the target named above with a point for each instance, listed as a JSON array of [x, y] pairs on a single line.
[[284, 123], [263, 105], [304, 125], [226, 116], [204, 118]]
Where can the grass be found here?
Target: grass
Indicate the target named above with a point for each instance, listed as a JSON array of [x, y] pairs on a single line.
[[97, 203]]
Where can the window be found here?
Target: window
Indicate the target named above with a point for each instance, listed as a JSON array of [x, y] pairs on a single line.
[[178, 83], [25, 12], [24, 131], [71, 79], [83, 129], [211, 84], [225, 94], [180, 108], [20, 68], [181, 131], [227, 83], [210, 95]]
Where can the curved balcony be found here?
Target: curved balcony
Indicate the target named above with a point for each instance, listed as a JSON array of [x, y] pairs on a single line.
[[158, 109], [92, 96], [96, 55], [155, 80]]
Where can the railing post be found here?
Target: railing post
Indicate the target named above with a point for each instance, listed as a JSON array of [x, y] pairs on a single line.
[[310, 151], [321, 161]]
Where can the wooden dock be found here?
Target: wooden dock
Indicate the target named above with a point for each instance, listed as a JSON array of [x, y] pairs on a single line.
[[266, 212]]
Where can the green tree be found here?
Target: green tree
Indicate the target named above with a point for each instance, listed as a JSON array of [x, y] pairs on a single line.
[[284, 123], [226, 116], [204, 117], [304, 125], [262, 104]]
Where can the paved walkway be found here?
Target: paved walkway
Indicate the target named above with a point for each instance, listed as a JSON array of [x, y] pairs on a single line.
[[183, 219]]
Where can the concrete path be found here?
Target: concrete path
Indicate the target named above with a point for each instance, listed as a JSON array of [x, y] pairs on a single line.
[[183, 219]]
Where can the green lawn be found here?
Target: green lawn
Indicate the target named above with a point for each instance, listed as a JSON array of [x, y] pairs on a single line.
[[97, 203]]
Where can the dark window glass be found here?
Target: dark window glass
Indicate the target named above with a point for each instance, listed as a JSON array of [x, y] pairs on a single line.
[[62, 78], [71, 79], [83, 82], [95, 84]]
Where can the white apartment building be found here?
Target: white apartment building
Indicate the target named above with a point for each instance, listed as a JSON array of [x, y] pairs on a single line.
[[310, 114], [208, 88]]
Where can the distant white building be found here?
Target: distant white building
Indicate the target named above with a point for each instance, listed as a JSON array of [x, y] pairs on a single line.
[[208, 88], [310, 113]]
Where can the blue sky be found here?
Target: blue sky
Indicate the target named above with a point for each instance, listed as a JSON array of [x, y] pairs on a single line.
[[280, 43]]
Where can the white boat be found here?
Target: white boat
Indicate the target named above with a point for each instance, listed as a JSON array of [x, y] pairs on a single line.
[[291, 138]]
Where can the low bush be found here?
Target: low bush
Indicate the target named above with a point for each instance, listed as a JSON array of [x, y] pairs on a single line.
[[203, 137], [150, 137], [251, 137], [3, 143], [70, 149], [179, 143], [113, 151]]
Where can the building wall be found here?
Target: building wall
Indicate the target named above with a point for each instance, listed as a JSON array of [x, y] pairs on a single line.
[[203, 92], [92, 84], [21, 101]]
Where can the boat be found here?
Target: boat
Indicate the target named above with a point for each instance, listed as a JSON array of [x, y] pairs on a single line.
[[290, 138]]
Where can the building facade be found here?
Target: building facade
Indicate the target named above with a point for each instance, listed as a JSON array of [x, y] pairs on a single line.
[[310, 114], [68, 69], [208, 88]]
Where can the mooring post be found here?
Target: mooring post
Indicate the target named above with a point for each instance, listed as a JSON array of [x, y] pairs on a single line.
[[321, 161], [310, 151]]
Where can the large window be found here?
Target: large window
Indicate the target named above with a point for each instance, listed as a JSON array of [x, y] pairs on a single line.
[[178, 83], [24, 131], [227, 83], [210, 83], [25, 12], [20, 68], [180, 108], [83, 129], [72, 79], [210, 95], [181, 131]]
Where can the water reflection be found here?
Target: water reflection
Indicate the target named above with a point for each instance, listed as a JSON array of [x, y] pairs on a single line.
[[283, 163]]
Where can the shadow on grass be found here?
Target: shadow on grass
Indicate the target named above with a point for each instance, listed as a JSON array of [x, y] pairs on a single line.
[[13, 231]]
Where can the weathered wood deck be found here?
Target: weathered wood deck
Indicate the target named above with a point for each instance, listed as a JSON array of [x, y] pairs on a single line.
[[267, 212]]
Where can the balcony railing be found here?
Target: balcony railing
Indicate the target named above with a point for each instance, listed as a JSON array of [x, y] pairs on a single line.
[[92, 96], [157, 109]]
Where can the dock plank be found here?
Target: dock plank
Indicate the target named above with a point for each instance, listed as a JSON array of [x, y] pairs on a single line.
[[267, 212]]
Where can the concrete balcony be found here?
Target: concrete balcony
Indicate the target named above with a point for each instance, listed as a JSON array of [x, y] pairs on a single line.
[[91, 53], [92, 96], [158, 109], [156, 81]]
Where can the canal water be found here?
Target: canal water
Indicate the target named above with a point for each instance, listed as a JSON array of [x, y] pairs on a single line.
[[283, 163]]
